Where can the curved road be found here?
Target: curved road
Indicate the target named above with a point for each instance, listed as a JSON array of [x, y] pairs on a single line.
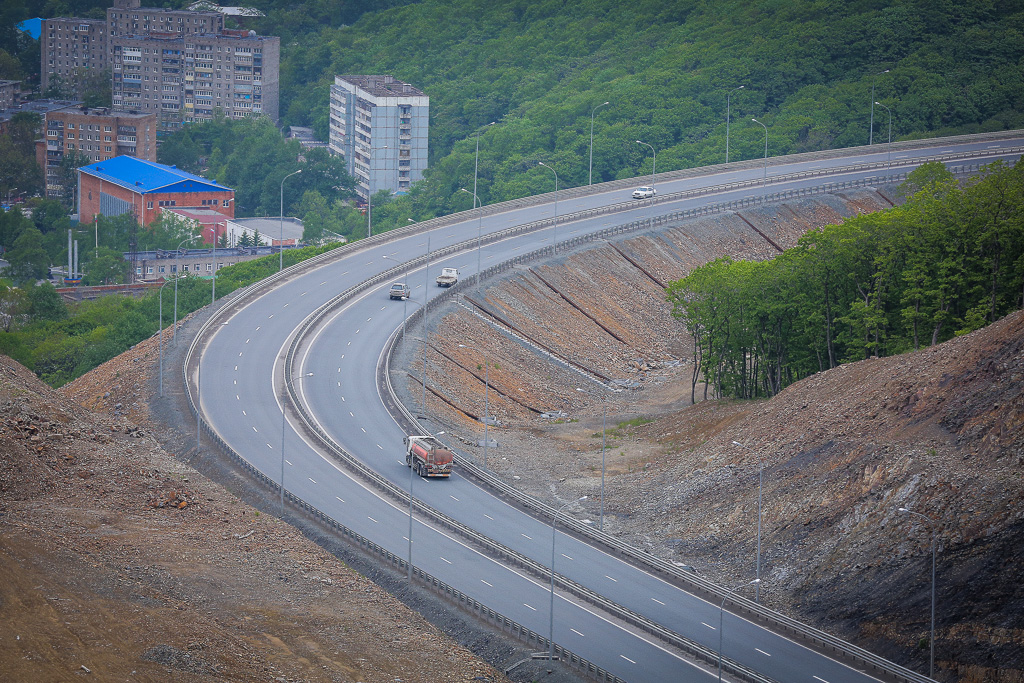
[[241, 389]]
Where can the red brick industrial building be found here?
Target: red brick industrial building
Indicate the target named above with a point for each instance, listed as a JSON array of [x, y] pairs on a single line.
[[143, 188]]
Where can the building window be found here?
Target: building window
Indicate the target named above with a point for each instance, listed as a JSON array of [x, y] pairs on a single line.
[[162, 269], [149, 270], [149, 205], [185, 267], [209, 267]]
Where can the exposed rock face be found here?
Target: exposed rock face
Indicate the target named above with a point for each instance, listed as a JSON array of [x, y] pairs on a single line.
[[939, 431]]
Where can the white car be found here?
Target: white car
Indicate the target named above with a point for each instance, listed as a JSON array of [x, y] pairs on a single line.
[[644, 192]]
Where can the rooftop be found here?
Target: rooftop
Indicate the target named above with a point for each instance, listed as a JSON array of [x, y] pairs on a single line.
[[382, 86], [144, 176]]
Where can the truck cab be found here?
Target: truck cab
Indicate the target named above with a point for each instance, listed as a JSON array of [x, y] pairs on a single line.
[[448, 277]]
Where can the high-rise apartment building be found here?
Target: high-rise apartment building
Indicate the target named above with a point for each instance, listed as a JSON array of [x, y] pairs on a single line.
[[126, 18], [178, 64], [380, 125], [99, 134], [68, 45], [184, 79]]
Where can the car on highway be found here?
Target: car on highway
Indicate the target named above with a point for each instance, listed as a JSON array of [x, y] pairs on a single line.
[[644, 192], [400, 291]]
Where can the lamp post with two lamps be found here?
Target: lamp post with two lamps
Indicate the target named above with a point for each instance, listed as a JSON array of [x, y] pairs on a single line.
[[760, 488], [721, 620], [590, 173], [931, 640], [554, 239], [284, 406], [551, 625], [280, 247], [487, 384]]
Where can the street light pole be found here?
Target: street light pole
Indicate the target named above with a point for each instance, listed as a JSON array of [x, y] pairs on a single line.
[[284, 407], [604, 432], [487, 384], [888, 159], [760, 488], [871, 129], [654, 162], [721, 620], [479, 216], [931, 525], [590, 174], [369, 193], [764, 183], [408, 461], [177, 273], [551, 625], [479, 229], [554, 240], [728, 111], [162, 338], [280, 247]]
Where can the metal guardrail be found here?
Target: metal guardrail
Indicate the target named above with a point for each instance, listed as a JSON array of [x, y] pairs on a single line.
[[241, 297]]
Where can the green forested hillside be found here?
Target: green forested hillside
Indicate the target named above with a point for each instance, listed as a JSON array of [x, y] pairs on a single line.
[[539, 68], [948, 261]]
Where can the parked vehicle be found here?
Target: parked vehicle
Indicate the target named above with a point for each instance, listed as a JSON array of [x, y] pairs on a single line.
[[400, 291], [427, 456], [448, 277], [644, 192]]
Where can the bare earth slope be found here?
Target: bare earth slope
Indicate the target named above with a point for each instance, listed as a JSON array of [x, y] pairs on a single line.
[[940, 432], [119, 562]]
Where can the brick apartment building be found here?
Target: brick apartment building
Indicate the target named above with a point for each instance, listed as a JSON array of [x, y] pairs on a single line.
[[125, 184], [184, 79], [69, 44], [177, 64], [99, 133]]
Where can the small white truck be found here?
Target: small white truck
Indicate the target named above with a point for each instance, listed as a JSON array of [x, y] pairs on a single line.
[[448, 277]]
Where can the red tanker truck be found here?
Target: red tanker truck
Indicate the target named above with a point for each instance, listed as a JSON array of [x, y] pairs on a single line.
[[428, 456]]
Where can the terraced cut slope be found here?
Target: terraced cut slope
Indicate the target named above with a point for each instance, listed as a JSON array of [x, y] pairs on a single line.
[[939, 431]]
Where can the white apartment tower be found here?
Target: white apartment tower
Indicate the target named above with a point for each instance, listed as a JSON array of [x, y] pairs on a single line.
[[380, 125]]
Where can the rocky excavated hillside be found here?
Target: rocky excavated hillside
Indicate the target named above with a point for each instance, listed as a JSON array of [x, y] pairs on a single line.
[[119, 562], [939, 431]]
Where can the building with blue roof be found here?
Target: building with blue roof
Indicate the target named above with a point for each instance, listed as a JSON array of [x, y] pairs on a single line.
[[125, 184]]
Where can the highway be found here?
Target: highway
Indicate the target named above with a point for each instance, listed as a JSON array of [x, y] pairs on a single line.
[[335, 375]]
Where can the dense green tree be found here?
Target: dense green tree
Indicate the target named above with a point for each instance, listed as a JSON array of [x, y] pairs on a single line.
[[948, 261], [108, 268], [45, 304], [27, 258], [14, 305]]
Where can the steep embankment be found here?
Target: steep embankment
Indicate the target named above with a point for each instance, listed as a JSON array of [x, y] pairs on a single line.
[[119, 561], [938, 431]]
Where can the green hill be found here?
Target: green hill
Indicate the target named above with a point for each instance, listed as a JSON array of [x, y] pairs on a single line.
[[539, 68]]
